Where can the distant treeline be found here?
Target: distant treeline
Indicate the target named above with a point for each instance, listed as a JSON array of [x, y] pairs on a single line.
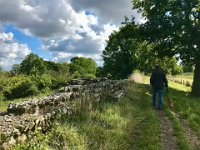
[[34, 76]]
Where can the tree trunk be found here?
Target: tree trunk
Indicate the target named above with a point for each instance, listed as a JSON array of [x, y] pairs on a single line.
[[196, 80]]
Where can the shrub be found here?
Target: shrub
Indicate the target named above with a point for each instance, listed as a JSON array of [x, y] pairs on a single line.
[[187, 68], [43, 82], [89, 76], [19, 86], [76, 74], [2, 84], [1, 96], [177, 70]]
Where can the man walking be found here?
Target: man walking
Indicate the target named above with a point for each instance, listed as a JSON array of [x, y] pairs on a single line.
[[158, 80]]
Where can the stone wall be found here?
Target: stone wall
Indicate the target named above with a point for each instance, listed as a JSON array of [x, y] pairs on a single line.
[[21, 120]]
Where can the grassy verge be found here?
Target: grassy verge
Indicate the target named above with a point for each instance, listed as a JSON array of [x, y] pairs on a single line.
[[147, 132], [179, 87], [127, 124], [186, 106], [187, 76]]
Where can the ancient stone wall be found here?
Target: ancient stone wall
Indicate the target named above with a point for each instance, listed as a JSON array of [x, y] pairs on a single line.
[[22, 119]]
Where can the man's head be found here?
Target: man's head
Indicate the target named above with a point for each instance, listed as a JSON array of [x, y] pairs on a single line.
[[157, 66]]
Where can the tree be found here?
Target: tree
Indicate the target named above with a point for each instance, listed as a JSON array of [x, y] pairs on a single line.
[[174, 26], [147, 59], [99, 72], [63, 69], [126, 52], [120, 55], [187, 68], [83, 66], [73, 59], [32, 64], [51, 66], [1, 69], [15, 69]]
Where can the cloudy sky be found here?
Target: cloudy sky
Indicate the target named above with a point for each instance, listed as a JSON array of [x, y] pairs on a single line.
[[58, 30]]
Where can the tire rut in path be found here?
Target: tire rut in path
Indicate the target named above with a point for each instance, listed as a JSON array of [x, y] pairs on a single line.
[[191, 135], [168, 139]]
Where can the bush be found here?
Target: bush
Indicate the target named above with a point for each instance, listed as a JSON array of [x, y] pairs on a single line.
[[43, 82], [2, 84], [1, 96], [187, 68], [76, 74], [19, 86], [89, 76], [177, 70]]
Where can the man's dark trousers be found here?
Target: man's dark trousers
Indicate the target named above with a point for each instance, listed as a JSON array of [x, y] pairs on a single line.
[[159, 93]]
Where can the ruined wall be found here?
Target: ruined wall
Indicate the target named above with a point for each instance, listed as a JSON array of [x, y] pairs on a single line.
[[22, 119]]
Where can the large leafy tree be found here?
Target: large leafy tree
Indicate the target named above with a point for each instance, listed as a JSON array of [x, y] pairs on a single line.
[[126, 51], [32, 64], [120, 55], [83, 66], [147, 59], [15, 69], [174, 25]]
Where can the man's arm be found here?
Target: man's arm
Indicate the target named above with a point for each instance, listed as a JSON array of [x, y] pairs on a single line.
[[152, 79], [165, 82]]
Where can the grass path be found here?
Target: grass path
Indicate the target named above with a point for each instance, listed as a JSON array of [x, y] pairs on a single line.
[[184, 118], [168, 138], [146, 134], [167, 134]]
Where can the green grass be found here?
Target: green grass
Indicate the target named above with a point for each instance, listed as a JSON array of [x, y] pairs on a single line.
[[179, 87], [186, 106], [179, 132], [186, 79], [127, 124], [185, 76]]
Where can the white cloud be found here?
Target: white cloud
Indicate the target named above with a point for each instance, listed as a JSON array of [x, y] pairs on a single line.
[[11, 52], [45, 19], [66, 26], [92, 19], [108, 29], [66, 57], [109, 11], [6, 37], [88, 43]]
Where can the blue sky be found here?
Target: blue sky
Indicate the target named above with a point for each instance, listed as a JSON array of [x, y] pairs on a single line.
[[33, 43], [58, 30]]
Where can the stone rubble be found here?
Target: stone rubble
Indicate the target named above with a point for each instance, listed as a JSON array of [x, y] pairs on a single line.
[[21, 120]]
